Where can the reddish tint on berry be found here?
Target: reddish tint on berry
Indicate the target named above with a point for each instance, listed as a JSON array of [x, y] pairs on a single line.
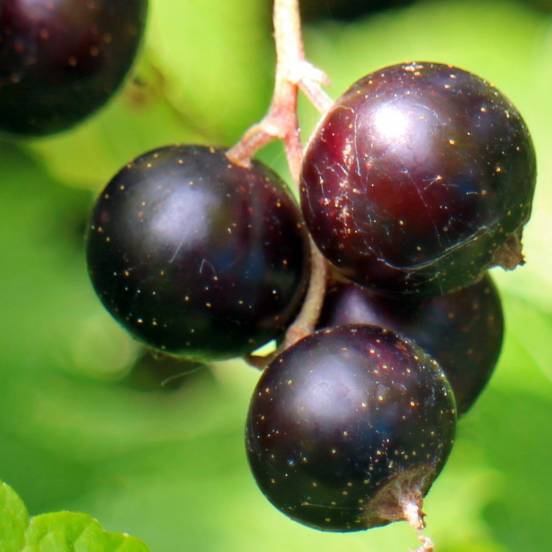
[[197, 256], [348, 426], [62, 59], [462, 331], [418, 179]]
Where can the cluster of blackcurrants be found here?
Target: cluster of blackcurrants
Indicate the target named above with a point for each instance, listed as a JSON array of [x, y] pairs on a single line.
[[416, 181]]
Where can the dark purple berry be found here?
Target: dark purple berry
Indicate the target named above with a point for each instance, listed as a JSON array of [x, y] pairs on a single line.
[[349, 428], [419, 178], [462, 331], [60, 60], [197, 256]]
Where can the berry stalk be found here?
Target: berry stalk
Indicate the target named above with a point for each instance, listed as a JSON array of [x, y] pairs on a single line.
[[415, 518], [293, 73]]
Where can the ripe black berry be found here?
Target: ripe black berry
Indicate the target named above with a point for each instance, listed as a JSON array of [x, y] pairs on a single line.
[[462, 331], [350, 427], [60, 60], [418, 179], [196, 256]]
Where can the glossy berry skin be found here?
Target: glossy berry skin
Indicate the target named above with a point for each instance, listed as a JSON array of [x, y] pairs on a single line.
[[196, 256], [462, 331], [347, 423], [419, 178], [60, 60]]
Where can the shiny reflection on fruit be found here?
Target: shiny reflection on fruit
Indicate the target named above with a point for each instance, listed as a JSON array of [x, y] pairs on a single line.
[[391, 123]]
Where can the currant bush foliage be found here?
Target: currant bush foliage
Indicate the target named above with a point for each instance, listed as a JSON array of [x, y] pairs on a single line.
[[56, 532]]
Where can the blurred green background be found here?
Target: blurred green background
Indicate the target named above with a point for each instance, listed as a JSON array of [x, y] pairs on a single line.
[[87, 424]]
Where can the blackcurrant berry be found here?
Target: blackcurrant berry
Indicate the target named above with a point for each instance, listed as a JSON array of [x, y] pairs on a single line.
[[462, 331], [197, 256], [418, 179], [349, 428], [60, 60]]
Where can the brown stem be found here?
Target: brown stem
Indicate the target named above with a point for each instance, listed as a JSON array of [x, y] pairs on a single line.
[[293, 73], [306, 321], [415, 517]]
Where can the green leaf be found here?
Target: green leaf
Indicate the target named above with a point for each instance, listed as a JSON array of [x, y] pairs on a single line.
[[13, 520], [56, 532], [119, 542], [63, 532], [73, 532]]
